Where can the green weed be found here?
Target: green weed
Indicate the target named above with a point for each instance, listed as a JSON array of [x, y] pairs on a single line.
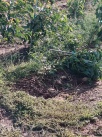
[[39, 114]]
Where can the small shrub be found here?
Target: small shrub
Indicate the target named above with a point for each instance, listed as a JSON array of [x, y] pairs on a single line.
[[85, 64]]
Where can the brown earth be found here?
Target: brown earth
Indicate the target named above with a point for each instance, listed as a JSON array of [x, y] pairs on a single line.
[[92, 129], [61, 86], [8, 50], [5, 122], [61, 3]]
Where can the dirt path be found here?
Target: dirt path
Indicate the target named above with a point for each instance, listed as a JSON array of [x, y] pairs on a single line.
[[9, 50]]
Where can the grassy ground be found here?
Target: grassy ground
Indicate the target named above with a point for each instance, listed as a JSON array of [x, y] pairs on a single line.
[[46, 117], [22, 114]]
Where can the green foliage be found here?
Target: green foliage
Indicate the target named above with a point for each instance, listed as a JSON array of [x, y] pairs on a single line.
[[68, 39], [89, 32], [1, 75], [99, 17], [99, 11], [85, 63], [16, 16], [47, 29], [76, 8], [9, 21], [37, 25], [64, 35]]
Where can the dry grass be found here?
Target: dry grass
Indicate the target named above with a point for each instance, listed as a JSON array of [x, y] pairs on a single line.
[[51, 115]]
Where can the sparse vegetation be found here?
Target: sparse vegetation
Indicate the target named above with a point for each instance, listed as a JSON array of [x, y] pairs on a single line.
[[62, 67], [37, 114]]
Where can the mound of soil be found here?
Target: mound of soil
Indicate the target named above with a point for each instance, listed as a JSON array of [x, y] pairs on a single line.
[[60, 83], [47, 86]]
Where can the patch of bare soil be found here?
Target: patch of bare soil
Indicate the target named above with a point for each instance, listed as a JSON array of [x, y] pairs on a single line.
[[5, 122], [47, 86], [11, 49], [61, 84], [92, 129], [61, 3], [89, 94]]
